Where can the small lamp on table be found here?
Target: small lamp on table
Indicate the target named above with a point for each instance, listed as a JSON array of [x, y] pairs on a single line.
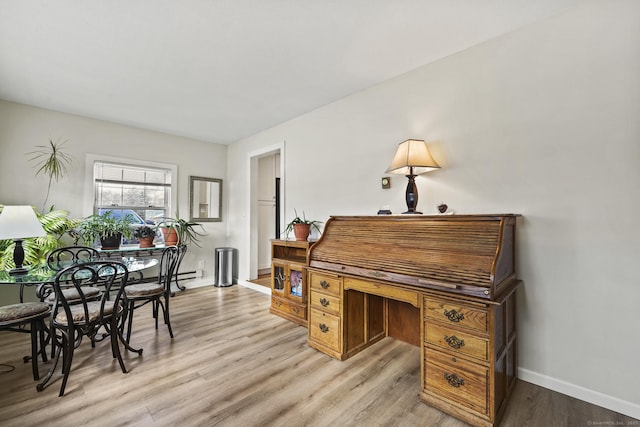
[[19, 223], [412, 158]]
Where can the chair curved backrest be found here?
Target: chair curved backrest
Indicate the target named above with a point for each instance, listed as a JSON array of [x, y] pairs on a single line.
[[107, 275], [61, 258], [64, 257], [171, 257]]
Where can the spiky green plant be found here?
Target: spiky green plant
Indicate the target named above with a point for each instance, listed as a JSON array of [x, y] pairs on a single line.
[[52, 161], [56, 223]]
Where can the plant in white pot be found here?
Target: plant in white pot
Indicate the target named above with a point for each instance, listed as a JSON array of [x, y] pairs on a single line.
[[301, 227]]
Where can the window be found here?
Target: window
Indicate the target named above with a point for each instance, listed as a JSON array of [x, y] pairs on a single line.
[[143, 191]]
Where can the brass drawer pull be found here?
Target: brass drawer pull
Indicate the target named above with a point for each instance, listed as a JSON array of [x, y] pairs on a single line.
[[454, 341], [323, 328], [295, 310], [453, 380], [324, 302], [324, 284], [453, 315]]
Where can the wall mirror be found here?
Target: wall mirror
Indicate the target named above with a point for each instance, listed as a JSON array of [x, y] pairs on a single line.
[[205, 199]]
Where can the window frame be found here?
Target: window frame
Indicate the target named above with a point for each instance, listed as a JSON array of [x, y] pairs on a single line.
[[89, 189]]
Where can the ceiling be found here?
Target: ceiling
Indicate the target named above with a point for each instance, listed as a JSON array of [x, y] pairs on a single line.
[[222, 70]]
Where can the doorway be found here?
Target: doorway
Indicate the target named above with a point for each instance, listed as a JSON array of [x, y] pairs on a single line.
[[267, 202], [268, 209]]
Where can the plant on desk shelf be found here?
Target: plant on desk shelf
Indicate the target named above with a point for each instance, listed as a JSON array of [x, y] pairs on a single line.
[[146, 235], [58, 226], [301, 227], [177, 230], [106, 228]]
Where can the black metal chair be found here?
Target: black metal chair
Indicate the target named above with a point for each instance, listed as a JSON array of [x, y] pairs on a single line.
[[15, 317], [72, 319], [59, 259], [158, 293]]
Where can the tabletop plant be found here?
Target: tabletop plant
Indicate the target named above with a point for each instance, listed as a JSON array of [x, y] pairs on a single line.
[[184, 230], [301, 227], [106, 228], [146, 235]]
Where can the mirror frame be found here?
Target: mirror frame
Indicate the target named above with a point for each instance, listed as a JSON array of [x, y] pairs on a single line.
[[195, 216]]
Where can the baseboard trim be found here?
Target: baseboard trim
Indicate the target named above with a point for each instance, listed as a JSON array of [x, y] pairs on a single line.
[[594, 397], [261, 289], [195, 283]]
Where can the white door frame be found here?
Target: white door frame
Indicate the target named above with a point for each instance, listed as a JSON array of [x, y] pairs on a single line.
[[253, 168]]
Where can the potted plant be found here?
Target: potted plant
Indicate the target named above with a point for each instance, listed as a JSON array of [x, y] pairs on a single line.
[[146, 235], [105, 227], [177, 230], [301, 227]]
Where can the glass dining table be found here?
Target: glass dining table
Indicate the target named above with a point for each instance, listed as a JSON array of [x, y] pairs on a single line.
[[42, 273], [39, 274]]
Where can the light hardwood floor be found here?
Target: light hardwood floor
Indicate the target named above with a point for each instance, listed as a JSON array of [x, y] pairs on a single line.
[[232, 363]]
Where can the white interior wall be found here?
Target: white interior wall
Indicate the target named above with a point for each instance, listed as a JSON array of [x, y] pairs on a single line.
[[22, 128], [542, 122]]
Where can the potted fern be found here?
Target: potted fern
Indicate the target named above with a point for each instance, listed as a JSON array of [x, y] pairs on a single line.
[[106, 228]]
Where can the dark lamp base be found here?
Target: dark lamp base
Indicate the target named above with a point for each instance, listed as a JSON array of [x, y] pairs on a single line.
[[18, 271]]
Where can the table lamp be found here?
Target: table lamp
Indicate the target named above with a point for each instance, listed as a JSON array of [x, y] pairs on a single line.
[[412, 159], [19, 223]]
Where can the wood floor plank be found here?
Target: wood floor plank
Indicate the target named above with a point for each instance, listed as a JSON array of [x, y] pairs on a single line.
[[232, 363]]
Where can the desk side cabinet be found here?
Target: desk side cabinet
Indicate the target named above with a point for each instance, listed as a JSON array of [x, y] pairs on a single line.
[[289, 260], [469, 356]]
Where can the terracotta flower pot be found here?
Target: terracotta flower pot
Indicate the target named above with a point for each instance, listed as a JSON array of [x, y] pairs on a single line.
[[147, 242], [170, 237], [301, 231]]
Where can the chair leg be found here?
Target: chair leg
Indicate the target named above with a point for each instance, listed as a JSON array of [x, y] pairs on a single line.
[[43, 340], [156, 305], [34, 349], [115, 348], [52, 369], [129, 320], [67, 357], [167, 318]]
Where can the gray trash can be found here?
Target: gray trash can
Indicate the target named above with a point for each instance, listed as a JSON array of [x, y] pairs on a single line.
[[224, 267]]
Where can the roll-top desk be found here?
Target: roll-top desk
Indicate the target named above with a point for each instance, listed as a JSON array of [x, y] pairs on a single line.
[[444, 283]]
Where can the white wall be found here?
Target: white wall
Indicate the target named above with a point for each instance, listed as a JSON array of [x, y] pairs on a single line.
[[542, 122], [22, 128]]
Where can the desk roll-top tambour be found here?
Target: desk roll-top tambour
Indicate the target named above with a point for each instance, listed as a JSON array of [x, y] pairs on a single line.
[[445, 283]]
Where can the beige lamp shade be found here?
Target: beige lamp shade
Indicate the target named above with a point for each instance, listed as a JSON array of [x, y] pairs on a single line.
[[412, 157], [20, 222]]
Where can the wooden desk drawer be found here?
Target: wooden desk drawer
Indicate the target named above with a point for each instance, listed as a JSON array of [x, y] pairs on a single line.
[[459, 381], [456, 340], [325, 328], [288, 307], [327, 303], [457, 314], [327, 284]]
